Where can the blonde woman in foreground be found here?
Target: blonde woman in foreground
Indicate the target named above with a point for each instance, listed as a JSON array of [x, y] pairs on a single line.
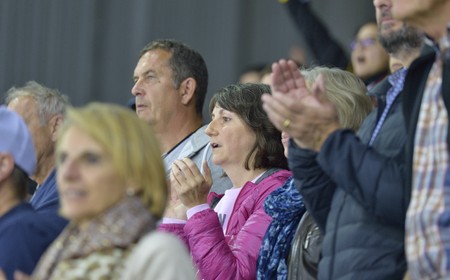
[[113, 191]]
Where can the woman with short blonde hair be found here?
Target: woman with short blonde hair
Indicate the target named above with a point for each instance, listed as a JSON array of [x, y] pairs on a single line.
[[136, 148], [113, 190]]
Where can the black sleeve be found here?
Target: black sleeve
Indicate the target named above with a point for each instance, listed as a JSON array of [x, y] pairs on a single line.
[[325, 49], [315, 186], [375, 181]]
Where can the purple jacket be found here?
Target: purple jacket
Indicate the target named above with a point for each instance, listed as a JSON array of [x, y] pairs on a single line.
[[234, 255]]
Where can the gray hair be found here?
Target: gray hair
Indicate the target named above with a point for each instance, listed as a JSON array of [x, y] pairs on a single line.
[[49, 102], [346, 91]]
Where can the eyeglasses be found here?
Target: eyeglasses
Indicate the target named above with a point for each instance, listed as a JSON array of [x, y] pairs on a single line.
[[363, 43]]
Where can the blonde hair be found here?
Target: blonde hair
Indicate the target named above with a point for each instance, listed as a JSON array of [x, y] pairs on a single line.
[[132, 146], [346, 91]]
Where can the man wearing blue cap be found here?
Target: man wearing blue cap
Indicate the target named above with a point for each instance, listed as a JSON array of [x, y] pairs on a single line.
[[24, 234]]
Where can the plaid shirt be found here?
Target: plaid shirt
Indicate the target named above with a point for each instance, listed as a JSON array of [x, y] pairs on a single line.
[[428, 217]]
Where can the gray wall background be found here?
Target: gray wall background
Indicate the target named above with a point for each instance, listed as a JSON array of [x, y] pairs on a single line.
[[88, 48]]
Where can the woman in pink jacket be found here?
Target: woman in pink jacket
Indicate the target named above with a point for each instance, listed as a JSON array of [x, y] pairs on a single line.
[[224, 233]]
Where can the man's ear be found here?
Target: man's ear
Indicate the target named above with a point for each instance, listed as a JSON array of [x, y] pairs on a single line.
[[6, 165], [55, 123], [187, 90]]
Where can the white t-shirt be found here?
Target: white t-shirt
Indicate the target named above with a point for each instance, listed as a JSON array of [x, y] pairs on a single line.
[[225, 207]]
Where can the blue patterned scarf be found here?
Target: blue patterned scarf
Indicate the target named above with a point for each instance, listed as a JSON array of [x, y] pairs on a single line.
[[285, 206]]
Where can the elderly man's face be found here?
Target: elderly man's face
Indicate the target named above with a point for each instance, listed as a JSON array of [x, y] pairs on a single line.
[[157, 98]]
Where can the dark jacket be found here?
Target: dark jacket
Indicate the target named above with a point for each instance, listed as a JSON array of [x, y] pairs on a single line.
[[24, 236], [356, 195], [305, 252], [415, 83]]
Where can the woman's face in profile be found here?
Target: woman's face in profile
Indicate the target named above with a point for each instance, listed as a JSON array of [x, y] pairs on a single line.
[[231, 138], [88, 183]]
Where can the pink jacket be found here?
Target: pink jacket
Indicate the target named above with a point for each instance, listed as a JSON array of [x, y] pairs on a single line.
[[234, 255]]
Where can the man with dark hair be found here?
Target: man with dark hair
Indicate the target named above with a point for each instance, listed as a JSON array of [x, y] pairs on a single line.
[[170, 85], [42, 109], [24, 234], [360, 205]]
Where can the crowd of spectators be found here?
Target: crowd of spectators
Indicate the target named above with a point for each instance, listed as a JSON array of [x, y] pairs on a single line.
[[337, 171]]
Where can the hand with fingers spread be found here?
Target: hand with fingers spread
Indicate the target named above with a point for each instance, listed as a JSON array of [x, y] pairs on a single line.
[[302, 111], [191, 186]]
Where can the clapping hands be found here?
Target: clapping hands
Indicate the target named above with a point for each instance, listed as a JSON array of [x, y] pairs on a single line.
[[301, 110], [190, 185]]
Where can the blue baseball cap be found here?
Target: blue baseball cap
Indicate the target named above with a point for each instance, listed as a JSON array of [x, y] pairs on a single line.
[[15, 139]]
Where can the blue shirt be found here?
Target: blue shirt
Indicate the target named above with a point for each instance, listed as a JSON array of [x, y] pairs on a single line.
[[46, 201], [397, 80], [24, 236]]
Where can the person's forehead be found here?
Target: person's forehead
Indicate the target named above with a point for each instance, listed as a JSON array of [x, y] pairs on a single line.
[[367, 31], [24, 105], [78, 142], [153, 59], [156, 55]]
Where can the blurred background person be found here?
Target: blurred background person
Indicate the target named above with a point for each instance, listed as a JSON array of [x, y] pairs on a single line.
[[368, 59], [43, 110], [326, 50], [113, 191], [251, 74], [24, 234]]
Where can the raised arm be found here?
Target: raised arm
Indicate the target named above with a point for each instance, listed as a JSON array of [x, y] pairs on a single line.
[[326, 49]]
